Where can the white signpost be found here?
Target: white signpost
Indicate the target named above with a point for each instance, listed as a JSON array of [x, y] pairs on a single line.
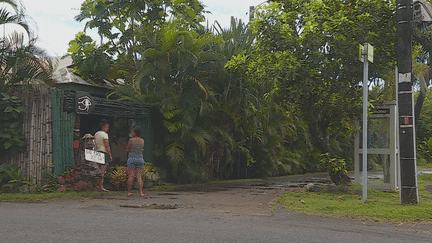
[[366, 54], [94, 156]]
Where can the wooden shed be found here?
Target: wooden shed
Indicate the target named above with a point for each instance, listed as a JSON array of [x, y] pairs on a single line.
[[56, 119]]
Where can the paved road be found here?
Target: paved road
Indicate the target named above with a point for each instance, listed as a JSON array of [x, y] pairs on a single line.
[[229, 214], [78, 222]]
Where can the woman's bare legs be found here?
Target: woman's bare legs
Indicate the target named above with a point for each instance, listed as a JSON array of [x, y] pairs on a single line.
[[140, 182], [103, 168], [131, 173]]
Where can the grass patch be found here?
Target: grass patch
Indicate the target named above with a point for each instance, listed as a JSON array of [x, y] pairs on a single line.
[[37, 197], [162, 187], [421, 162], [379, 207]]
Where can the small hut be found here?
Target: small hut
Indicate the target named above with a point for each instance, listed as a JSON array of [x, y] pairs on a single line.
[[55, 122]]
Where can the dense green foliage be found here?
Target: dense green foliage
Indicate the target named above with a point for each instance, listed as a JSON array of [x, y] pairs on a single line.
[[423, 72], [305, 56], [424, 131], [311, 50], [22, 67], [253, 100], [11, 138]]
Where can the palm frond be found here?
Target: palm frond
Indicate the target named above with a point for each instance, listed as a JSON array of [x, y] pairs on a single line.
[[202, 138], [175, 153]]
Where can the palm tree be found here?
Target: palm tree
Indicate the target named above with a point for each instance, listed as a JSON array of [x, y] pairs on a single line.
[[18, 18], [22, 66], [21, 63], [174, 76], [237, 38]]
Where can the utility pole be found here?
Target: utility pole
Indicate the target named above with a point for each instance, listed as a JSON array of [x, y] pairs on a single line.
[[407, 144]]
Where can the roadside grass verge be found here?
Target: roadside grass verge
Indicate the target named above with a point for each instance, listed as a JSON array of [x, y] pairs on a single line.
[[44, 196], [379, 207]]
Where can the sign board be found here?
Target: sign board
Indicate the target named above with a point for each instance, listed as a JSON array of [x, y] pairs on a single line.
[[84, 103], [94, 156], [370, 51], [381, 111], [361, 52], [366, 50], [404, 77]]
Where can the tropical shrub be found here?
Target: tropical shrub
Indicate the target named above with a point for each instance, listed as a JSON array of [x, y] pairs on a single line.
[[14, 178], [51, 179], [150, 172], [4, 176], [336, 168], [118, 177], [11, 138]]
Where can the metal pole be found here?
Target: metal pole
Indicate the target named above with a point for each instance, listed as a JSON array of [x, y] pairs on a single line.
[[397, 130], [407, 144], [365, 120]]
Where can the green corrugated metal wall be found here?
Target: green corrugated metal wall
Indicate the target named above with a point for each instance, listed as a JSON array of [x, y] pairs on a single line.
[[62, 125], [147, 134]]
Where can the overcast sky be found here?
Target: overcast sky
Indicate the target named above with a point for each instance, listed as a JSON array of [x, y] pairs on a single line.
[[55, 26]]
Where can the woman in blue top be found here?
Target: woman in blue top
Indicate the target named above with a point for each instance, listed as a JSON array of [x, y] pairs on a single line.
[[135, 162]]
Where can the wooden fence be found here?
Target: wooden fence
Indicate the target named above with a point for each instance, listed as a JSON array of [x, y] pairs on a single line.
[[37, 129]]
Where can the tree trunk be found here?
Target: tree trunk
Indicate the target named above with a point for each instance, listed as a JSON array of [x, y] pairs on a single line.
[[323, 138]]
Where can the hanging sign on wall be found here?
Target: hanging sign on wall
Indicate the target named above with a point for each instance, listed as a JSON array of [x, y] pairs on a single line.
[[84, 103]]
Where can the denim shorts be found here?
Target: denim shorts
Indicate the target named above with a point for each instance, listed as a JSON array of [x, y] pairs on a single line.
[[135, 161]]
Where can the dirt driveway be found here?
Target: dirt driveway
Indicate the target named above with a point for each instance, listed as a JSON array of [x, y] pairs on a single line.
[[251, 198], [237, 198]]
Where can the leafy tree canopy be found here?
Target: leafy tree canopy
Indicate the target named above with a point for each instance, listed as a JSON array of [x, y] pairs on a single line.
[[119, 23], [307, 55]]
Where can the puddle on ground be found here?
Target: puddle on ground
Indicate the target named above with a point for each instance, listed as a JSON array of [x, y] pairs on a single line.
[[111, 198], [167, 194], [96, 208], [152, 206]]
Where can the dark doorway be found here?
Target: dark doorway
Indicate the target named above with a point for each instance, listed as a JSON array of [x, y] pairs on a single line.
[[118, 134], [89, 124]]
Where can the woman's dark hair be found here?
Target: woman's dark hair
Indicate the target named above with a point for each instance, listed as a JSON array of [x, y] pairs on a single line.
[[102, 123], [137, 130]]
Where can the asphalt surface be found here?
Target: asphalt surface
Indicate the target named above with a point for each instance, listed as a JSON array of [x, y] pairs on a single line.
[[234, 212], [78, 222]]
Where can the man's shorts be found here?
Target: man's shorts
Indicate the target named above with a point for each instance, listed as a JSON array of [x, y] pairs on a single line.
[[107, 158]]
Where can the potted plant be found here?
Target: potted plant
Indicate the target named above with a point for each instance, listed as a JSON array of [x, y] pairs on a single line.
[[150, 174]]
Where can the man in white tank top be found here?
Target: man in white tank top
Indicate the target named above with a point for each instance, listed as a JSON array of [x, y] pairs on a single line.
[[102, 145]]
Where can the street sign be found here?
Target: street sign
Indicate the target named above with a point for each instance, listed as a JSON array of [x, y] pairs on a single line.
[[361, 52], [366, 50], [370, 51]]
